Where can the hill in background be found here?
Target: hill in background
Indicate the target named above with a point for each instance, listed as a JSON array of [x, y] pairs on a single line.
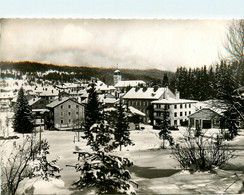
[[106, 75]]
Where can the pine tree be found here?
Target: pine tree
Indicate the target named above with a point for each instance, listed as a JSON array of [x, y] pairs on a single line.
[[164, 133], [92, 112], [23, 118], [100, 169], [122, 134], [231, 119], [165, 82]]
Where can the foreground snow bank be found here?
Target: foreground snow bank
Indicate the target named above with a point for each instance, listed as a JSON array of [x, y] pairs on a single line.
[[219, 182], [40, 186]]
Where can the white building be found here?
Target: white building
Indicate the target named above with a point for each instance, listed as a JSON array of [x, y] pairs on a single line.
[[179, 110]]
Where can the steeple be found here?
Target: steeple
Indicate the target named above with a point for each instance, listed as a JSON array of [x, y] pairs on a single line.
[[117, 76]]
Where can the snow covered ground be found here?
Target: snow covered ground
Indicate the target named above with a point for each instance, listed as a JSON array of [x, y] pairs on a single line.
[[154, 169]]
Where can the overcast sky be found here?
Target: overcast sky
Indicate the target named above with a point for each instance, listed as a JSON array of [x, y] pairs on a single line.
[[161, 44]]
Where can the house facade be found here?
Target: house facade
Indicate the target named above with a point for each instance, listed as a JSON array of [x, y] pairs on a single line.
[[179, 110], [205, 118], [142, 99], [65, 113]]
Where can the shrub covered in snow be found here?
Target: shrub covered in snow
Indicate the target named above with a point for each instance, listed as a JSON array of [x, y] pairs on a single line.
[[201, 153]]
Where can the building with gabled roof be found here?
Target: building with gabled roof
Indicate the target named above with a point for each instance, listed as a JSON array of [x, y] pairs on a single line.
[[65, 114], [179, 110], [122, 85], [206, 118], [142, 99]]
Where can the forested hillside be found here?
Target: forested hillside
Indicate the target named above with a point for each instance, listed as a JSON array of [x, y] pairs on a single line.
[[31, 68]]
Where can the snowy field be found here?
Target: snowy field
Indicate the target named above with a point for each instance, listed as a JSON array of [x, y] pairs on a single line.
[[154, 170]]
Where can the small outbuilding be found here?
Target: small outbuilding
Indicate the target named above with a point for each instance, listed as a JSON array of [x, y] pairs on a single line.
[[205, 118]]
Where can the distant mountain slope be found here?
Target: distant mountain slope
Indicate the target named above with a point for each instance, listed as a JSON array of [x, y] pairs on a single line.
[[87, 72]]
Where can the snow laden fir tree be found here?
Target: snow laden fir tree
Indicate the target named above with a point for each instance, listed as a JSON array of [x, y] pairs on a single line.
[[122, 134], [164, 133], [100, 169], [23, 119]]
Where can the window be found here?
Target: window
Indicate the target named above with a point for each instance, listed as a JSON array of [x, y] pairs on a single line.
[[185, 113], [181, 106], [61, 121], [175, 106], [77, 113], [189, 105], [69, 113], [185, 105], [61, 113], [76, 106], [158, 105], [166, 106], [181, 113], [158, 114], [189, 112], [69, 106], [175, 114], [61, 106], [175, 122], [69, 120]]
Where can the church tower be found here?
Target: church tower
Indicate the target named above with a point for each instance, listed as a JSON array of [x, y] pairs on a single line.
[[117, 76]]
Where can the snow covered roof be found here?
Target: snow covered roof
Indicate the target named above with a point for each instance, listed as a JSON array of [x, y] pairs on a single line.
[[135, 111], [110, 100], [57, 102], [148, 94], [50, 92], [132, 83], [109, 109], [71, 85], [33, 100], [7, 95], [40, 110], [219, 112], [173, 101]]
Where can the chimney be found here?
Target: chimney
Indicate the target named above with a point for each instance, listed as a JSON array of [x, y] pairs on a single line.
[[59, 96], [177, 94]]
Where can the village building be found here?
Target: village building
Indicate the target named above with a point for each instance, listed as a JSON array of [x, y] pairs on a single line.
[[38, 103], [65, 114], [49, 95], [142, 98], [124, 85], [121, 86], [179, 110], [206, 118]]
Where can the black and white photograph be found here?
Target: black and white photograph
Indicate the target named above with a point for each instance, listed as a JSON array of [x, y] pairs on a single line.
[[116, 105]]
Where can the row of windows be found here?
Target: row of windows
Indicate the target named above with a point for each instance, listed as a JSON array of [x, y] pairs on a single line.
[[181, 113], [175, 114], [175, 106], [69, 113], [69, 106], [62, 121], [138, 103]]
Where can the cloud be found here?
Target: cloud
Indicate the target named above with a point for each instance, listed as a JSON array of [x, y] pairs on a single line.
[[162, 44]]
